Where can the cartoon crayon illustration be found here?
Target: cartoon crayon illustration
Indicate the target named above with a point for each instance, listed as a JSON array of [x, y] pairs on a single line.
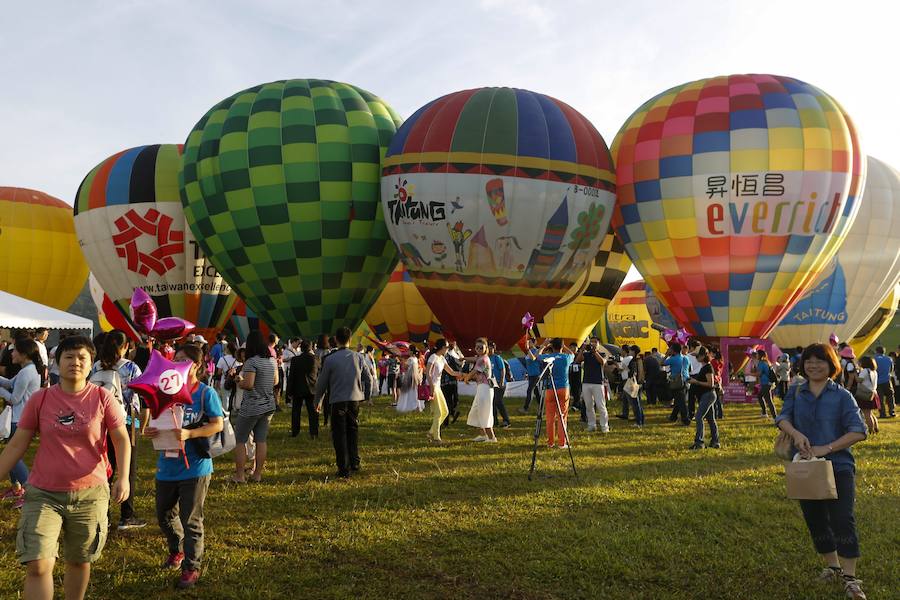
[[497, 200]]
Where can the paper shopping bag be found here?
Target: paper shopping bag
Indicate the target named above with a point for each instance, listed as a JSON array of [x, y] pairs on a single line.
[[810, 480]]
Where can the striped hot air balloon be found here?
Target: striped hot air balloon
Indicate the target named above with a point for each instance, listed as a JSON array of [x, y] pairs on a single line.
[[627, 321], [498, 200], [132, 231], [401, 314]]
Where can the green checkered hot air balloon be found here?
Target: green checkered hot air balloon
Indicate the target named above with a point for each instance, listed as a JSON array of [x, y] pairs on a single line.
[[280, 186]]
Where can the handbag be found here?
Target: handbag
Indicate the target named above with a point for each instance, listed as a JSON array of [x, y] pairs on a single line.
[[6, 423], [228, 380], [216, 444], [810, 479], [676, 381], [631, 387]]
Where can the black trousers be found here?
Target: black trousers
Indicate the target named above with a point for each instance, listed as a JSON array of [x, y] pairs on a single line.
[[311, 415], [127, 510], [179, 511], [499, 406], [534, 390], [831, 523], [679, 411], [451, 395], [886, 394], [345, 435]]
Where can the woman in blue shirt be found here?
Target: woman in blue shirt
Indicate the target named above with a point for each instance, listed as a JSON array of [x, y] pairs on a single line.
[[183, 479], [556, 396], [15, 392], [824, 421]]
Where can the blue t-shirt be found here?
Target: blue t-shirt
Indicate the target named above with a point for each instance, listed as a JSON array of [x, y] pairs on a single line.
[[216, 352], [532, 367], [765, 373], [173, 469], [498, 369], [679, 362], [560, 369], [824, 419], [884, 364]]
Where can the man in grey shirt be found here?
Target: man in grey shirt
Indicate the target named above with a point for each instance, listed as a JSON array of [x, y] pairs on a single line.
[[348, 381]]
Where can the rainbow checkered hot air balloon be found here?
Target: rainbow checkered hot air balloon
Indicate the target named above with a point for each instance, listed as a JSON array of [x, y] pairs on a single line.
[[498, 200], [132, 230], [734, 192]]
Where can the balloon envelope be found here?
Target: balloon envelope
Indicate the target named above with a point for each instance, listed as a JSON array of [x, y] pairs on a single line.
[[873, 331], [862, 273], [39, 255], [109, 314], [280, 186], [627, 321], [132, 230], [584, 304], [734, 192], [401, 314], [498, 200]]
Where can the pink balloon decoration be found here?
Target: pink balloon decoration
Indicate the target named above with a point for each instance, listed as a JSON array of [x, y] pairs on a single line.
[[833, 339], [171, 328], [163, 384], [143, 311], [527, 321], [144, 314]]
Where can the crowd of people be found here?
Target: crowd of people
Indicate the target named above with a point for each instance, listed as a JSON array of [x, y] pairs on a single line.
[[76, 396]]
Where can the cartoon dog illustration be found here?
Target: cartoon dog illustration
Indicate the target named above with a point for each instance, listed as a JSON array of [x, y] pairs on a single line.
[[504, 250]]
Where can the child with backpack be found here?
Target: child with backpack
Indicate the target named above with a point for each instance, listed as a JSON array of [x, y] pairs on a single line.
[[114, 372], [182, 479]]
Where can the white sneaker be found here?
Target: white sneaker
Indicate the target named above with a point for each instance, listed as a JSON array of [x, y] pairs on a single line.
[[604, 430], [853, 589], [831, 576], [480, 438], [493, 440], [563, 447]]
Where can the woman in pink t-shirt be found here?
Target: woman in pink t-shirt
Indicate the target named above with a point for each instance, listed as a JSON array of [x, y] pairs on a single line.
[[67, 489]]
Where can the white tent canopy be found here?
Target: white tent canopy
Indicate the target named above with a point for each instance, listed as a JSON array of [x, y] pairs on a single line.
[[19, 313]]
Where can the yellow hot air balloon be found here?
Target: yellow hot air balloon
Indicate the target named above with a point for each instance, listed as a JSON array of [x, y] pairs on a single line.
[[39, 255], [627, 320], [871, 332], [584, 304], [400, 314], [361, 336]]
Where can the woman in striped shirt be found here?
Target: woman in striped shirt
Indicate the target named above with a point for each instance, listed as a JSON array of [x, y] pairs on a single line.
[[258, 379]]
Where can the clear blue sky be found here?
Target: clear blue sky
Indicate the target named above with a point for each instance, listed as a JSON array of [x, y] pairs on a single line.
[[83, 80]]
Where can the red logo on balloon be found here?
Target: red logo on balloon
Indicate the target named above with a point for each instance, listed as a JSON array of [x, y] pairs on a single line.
[[169, 242]]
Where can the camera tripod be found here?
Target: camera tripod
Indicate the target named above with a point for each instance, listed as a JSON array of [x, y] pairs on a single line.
[[540, 414]]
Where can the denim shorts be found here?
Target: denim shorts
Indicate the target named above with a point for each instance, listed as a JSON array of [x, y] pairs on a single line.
[[258, 424], [79, 515]]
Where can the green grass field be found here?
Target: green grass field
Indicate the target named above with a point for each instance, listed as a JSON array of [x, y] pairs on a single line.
[[647, 518]]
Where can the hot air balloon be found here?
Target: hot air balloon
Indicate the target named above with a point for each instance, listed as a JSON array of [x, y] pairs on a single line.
[[734, 192], [627, 321], [109, 314], [584, 304], [280, 186], [401, 314], [861, 274], [873, 331], [498, 199], [244, 320], [39, 255], [132, 231]]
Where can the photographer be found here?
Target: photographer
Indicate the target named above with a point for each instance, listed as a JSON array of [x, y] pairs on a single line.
[[592, 393], [560, 358]]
